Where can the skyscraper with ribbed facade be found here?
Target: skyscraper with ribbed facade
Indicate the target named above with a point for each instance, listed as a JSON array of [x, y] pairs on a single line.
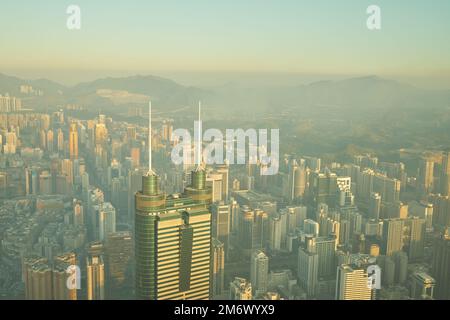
[[173, 241]]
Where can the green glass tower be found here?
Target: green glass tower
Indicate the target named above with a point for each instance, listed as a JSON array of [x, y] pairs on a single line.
[[173, 241]]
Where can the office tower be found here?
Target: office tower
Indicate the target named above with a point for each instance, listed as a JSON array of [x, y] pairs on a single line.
[[401, 267], [313, 163], [221, 223], [214, 181], [296, 180], [441, 266], [50, 141], [78, 213], [445, 176], [352, 283], [47, 281], [95, 279], [422, 286], [392, 236], [234, 215], [240, 289], [67, 171], [218, 268], [423, 210], [134, 185], [173, 239], [259, 272], [414, 239], [323, 188], [275, 233], [441, 211], [118, 255], [253, 231], [135, 157], [311, 227], [308, 267], [224, 170], [60, 140], [73, 141], [45, 183], [38, 279], [374, 206], [426, 176], [105, 220], [326, 250], [177, 231], [101, 133]]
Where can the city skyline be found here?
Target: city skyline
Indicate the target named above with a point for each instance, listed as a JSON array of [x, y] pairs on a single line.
[[225, 151]]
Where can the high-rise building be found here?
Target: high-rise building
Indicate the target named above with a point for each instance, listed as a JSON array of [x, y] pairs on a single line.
[[422, 286], [217, 266], [95, 269], [323, 188], [426, 176], [374, 206], [441, 265], [259, 272], [326, 250], [308, 267], [414, 239], [240, 289], [445, 176], [48, 281], [173, 229], [118, 255], [73, 141], [214, 181], [253, 231], [392, 236], [352, 283], [221, 223]]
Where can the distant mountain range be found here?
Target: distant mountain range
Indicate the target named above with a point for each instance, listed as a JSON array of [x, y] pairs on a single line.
[[363, 93]]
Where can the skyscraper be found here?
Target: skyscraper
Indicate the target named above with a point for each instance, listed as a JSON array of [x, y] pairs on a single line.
[[73, 141], [415, 238], [308, 266], [352, 283], [221, 223], [392, 236], [119, 251], [173, 239], [426, 177], [95, 269], [259, 272], [217, 266], [441, 266]]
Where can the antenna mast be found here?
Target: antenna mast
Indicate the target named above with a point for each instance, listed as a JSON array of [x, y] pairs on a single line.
[[150, 170]]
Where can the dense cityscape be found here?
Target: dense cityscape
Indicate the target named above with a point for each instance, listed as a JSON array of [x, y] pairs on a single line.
[[232, 158], [79, 192]]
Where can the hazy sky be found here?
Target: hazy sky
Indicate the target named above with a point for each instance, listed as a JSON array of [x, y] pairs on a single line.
[[295, 36]]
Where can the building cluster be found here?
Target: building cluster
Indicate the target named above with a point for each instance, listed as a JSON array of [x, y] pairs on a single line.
[[99, 202]]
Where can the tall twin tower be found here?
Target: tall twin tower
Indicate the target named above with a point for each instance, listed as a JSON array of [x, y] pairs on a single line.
[[173, 239]]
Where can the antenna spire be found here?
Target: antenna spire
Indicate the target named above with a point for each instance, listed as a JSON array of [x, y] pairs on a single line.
[[199, 138], [150, 170]]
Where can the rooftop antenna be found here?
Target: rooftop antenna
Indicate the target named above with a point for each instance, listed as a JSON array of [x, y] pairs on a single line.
[[150, 170], [199, 138]]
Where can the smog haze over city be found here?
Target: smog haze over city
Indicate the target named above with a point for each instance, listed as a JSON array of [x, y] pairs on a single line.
[[225, 151]]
